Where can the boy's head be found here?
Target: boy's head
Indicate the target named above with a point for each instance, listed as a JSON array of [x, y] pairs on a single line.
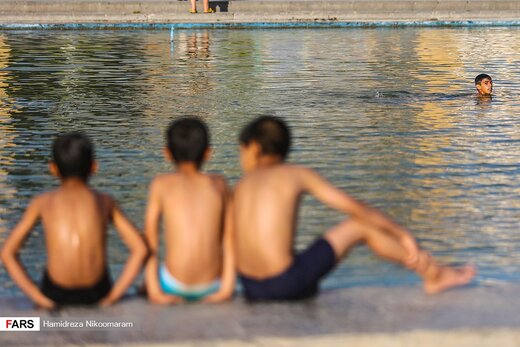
[[187, 140], [484, 84], [265, 135], [73, 155]]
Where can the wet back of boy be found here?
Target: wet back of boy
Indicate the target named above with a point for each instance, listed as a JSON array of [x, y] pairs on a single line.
[[75, 221], [192, 209]]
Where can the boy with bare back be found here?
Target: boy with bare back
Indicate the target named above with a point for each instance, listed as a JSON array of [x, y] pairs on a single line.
[[75, 219], [194, 207], [266, 203]]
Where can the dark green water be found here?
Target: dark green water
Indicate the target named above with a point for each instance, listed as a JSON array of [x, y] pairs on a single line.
[[389, 115]]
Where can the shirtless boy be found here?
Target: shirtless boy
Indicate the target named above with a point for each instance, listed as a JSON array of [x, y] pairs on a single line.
[[193, 206], [484, 85], [75, 219], [266, 203]]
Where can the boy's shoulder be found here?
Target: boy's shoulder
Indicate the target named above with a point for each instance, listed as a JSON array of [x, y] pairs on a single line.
[[283, 168], [104, 197], [294, 167], [168, 179], [217, 178], [287, 173], [163, 178], [40, 200], [44, 200], [219, 181], [45, 197], [296, 170]]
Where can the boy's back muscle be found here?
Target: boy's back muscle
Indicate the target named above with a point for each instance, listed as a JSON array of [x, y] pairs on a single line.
[[193, 214], [266, 203], [75, 222]]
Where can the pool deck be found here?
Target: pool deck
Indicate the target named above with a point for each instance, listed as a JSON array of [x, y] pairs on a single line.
[[258, 12], [469, 317]]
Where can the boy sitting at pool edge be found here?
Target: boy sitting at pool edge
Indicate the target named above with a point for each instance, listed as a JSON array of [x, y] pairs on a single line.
[[484, 85], [75, 218], [195, 209], [266, 202]]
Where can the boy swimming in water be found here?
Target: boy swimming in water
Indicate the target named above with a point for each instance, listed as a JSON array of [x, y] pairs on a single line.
[[266, 203], [193, 206], [75, 218], [484, 85]]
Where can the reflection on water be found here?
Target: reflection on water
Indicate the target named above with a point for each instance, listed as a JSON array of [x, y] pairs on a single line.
[[389, 115], [6, 132]]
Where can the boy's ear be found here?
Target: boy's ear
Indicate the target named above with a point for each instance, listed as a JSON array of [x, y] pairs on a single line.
[[255, 148], [208, 153], [94, 168], [53, 168], [167, 155]]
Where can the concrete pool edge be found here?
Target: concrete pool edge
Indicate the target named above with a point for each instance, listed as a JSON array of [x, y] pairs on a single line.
[[256, 25], [422, 338], [371, 316], [65, 14]]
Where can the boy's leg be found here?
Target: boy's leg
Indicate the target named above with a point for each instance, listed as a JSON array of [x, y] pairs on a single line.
[[193, 6], [347, 234], [436, 278]]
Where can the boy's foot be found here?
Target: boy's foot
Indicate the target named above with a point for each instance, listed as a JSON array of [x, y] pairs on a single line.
[[193, 11], [209, 11], [449, 278]]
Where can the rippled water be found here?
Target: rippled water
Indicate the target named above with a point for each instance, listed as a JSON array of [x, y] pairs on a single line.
[[389, 115]]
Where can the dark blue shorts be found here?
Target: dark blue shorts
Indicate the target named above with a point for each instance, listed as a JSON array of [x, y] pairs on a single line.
[[299, 281]]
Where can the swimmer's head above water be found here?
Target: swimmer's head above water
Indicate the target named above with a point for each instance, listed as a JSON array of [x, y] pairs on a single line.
[[484, 85]]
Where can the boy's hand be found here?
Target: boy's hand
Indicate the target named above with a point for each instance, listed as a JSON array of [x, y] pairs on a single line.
[[106, 301], [46, 303], [216, 298], [165, 299]]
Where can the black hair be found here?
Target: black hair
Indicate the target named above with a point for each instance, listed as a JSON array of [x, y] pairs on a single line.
[[480, 77], [73, 153], [187, 139], [271, 133]]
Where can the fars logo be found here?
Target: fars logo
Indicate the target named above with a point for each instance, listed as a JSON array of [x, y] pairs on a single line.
[[19, 323]]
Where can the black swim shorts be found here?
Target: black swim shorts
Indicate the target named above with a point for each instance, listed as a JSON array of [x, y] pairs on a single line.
[[299, 281], [77, 296]]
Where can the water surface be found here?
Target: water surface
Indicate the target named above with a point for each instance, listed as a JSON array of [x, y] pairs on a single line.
[[389, 115]]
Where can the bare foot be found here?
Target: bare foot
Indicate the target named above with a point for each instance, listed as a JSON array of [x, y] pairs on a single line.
[[449, 278]]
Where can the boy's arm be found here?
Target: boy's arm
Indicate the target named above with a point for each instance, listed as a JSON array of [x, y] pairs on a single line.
[[337, 199], [138, 251], [151, 232], [228, 278], [10, 255]]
